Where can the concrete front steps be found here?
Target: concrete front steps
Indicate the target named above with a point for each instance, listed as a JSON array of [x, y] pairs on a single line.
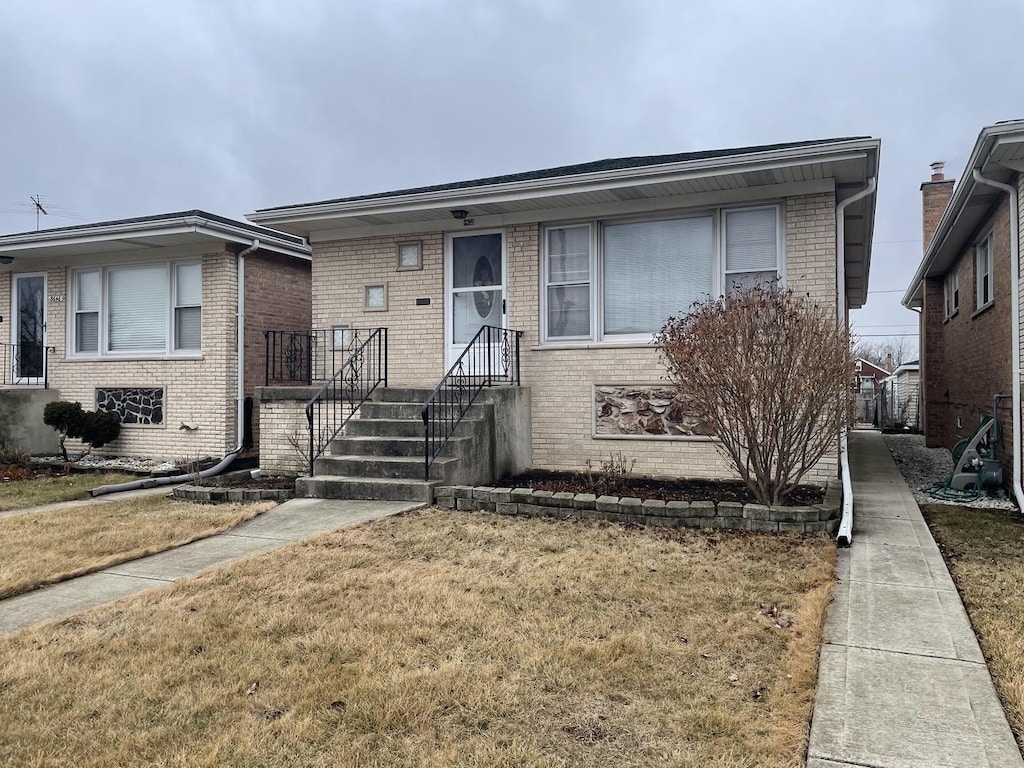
[[380, 455]]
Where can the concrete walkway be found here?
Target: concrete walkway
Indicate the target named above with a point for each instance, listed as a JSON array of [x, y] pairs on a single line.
[[291, 521], [902, 682]]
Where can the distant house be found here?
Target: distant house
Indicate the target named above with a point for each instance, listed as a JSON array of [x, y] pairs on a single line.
[[966, 288], [867, 377], [574, 269], [142, 317], [902, 393]]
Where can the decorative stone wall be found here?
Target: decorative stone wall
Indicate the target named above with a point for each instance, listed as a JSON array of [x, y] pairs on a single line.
[[642, 411], [673, 514], [135, 405]]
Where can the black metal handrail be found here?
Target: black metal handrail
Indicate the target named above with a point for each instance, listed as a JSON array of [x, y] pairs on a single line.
[[19, 362], [339, 398], [492, 357], [295, 357]]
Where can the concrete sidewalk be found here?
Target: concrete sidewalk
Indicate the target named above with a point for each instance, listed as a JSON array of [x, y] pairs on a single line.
[[902, 682], [291, 521]]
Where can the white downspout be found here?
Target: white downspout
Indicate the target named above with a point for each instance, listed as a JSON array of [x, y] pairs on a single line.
[[1018, 492], [240, 342], [845, 535]]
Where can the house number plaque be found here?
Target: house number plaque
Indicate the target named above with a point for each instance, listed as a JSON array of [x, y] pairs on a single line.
[[56, 298]]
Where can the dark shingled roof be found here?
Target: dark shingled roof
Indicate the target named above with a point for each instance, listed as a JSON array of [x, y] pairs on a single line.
[[612, 164], [256, 229]]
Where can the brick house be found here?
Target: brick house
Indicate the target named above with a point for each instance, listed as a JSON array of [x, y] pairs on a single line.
[[141, 316], [867, 376], [967, 291], [586, 261]]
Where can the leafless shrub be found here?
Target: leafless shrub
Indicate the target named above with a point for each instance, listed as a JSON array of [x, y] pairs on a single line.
[[769, 371], [612, 479]]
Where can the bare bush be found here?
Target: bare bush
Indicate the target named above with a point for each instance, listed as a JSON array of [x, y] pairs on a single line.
[[769, 371], [612, 479]]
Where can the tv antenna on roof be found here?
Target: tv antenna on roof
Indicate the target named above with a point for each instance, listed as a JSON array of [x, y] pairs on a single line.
[[39, 208]]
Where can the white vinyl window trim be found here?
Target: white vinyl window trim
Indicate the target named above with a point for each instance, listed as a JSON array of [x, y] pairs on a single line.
[[134, 310], [983, 273], [744, 262]]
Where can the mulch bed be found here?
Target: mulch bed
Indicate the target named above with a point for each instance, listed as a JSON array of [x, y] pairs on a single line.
[[267, 482], [13, 473], [679, 489]]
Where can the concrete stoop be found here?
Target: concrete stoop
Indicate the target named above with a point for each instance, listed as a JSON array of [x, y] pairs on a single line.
[[381, 453]]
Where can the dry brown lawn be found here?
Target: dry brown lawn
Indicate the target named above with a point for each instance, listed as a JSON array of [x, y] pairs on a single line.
[[985, 553], [46, 547], [441, 639], [19, 494]]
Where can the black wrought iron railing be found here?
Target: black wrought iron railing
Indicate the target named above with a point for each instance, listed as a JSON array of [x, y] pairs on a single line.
[[25, 364], [491, 358], [308, 356], [337, 401]]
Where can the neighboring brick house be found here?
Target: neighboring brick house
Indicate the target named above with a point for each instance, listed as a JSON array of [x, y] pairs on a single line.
[[967, 291], [140, 316], [588, 261]]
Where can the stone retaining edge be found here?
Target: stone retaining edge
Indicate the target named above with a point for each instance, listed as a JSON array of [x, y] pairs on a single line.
[[211, 494], [725, 515]]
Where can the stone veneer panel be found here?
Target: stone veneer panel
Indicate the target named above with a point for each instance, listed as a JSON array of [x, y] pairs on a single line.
[[640, 410], [141, 405]]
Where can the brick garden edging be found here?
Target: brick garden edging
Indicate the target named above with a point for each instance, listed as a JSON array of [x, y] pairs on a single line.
[[628, 509]]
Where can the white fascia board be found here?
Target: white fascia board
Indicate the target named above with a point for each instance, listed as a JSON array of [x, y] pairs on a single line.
[[544, 215], [987, 140], [138, 230], [561, 185]]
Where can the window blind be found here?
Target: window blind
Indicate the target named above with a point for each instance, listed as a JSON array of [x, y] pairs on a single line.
[[137, 309], [654, 269], [188, 298], [751, 240], [87, 311]]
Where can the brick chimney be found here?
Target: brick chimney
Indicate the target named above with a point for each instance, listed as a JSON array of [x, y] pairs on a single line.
[[935, 194], [888, 362]]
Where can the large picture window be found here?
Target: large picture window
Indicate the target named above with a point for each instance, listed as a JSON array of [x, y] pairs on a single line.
[[620, 280], [151, 309]]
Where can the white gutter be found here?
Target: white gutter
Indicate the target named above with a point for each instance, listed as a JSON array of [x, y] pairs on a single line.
[[240, 339], [1018, 492], [845, 535]]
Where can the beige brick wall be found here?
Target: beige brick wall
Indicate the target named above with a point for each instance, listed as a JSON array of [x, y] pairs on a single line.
[[561, 379], [281, 422], [341, 272], [196, 391]]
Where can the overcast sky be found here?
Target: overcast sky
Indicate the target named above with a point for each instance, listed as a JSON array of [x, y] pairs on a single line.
[[115, 109]]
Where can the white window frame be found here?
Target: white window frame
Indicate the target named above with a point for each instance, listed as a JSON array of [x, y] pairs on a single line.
[[981, 299], [951, 292], [597, 335], [175, 306], [103, 352]]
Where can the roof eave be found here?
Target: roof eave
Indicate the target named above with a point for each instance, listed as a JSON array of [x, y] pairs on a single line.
[[215, 230], [535, 188], [988, 139]]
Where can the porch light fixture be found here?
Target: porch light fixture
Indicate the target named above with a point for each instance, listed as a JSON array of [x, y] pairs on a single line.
[[459, 213]]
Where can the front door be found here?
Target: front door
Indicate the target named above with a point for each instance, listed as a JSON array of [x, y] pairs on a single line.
[[475, 287], [28, 329]]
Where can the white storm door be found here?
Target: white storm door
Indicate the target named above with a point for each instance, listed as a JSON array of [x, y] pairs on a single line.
[[28, 329], [474, 291]]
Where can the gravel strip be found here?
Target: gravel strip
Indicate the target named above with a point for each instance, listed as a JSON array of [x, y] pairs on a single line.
[[921, 467], [136, 463]]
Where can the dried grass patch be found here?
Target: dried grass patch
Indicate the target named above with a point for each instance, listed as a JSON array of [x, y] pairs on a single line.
[[33, 491], [42, 548], [983, 549], [442, 639]]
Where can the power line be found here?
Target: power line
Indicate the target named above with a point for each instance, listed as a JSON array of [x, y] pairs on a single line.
[[883, 335], [887, 325], [893, 290]]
